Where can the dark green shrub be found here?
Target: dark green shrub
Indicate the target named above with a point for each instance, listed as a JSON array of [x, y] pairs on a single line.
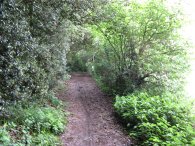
[[33, 49], [155, 120]]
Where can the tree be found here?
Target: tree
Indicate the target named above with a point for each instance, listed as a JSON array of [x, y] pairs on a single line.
[[140, 46]]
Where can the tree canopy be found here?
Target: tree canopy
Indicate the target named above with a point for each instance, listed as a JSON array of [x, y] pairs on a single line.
[[138, 45]]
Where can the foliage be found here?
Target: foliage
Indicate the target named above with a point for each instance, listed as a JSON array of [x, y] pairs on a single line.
[[139, 48], [20, 136], [4, 136], [34, 40], [54, 101], [81, 49], [42, 119], [33, 48], [82, 12], [157, 120], [46, 139], [35, 124], [78, 61]]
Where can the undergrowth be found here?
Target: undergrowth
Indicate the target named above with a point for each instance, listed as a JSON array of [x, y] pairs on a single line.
[[157, 120], [36, 124]]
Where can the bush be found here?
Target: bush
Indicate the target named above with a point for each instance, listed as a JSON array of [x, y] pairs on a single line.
[[31, 58], [17, 135], [39, 119], [45, 139], [54, 101], [34, 125], [164, 120], [4, 136]]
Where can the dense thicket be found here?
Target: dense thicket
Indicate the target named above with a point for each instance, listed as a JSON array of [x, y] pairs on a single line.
[[35, 37], [34, 42]]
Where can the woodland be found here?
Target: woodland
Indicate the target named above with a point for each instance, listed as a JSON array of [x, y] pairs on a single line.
[[131, 48]]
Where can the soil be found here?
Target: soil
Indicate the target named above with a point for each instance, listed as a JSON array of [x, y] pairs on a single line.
[[91, 119]]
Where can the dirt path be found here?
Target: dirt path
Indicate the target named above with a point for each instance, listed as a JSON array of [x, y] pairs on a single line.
[[91, 119]]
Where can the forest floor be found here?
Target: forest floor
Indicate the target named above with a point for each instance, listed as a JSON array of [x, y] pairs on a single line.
[[91, 119]]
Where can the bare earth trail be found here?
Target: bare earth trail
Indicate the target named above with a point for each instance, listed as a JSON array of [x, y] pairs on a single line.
[[91, 121]]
